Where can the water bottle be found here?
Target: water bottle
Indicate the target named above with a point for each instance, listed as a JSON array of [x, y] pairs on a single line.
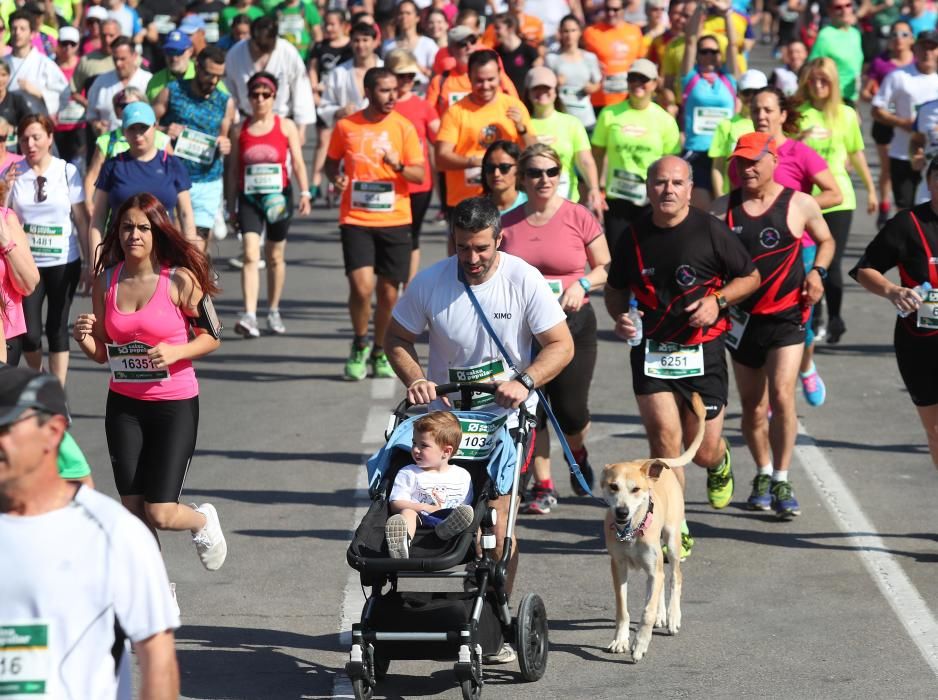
[[922, 290], [637, 322]]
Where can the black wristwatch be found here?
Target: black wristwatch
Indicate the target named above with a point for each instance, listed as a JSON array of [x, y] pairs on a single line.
[[524, 379], [821, 270]]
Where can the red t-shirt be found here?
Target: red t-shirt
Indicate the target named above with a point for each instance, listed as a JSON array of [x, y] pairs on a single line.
[[420, 113], [558, 248]]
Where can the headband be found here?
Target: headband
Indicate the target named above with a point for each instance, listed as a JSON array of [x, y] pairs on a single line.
[[263, 80]]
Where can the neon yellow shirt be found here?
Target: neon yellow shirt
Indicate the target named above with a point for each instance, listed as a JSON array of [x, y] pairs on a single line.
[[724, 141], [834, 143], [634, 139], [567, 136]]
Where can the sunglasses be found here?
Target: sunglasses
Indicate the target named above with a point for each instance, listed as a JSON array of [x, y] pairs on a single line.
[[469, 41], [637, 78], [708, 52], [901, 35], [848, 6], [41, 188], [260, 95], [407, 77], [538, 173], [61, 43], [503, 168], [747, 93], [613, 10]]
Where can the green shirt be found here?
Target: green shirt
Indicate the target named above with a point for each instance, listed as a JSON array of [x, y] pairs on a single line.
[[724, 142], [567, 136], [163, 77], [834, 143], [72, 462], [295, 23], [843, 47], [113, 143], [634, 139], [230, 12]]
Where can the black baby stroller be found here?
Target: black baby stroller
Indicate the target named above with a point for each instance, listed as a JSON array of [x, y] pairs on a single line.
[[461, 625]]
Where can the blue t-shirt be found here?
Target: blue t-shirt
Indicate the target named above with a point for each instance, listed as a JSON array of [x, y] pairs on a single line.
[[705, 106], [164, 176], [924, 22]]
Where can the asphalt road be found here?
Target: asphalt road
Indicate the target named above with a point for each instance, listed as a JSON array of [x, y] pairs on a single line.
[[839, 603]]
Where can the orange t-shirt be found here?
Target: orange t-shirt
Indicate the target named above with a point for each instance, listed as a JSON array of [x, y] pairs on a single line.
[[376, 195], [471, 128], [443, 94], [532, 31], [616, 48]]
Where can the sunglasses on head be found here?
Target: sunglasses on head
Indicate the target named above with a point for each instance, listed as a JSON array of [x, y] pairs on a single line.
[[538, 173], [503, 168], [41, 188]]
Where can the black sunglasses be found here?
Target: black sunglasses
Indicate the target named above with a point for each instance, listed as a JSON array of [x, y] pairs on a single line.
[[637, 78], [468, 41], [708, 52], [41, 188], [537, 173], [503, 168]]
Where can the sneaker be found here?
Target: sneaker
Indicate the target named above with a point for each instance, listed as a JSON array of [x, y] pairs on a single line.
[[172, 593], [275, 323], [380, 367], [395, 532], [247, 326], [760, 498], [356, 366], [720, 482], [505, 655], [456, 522], [238, 264], [784, 501], [540, 502], [835, 329], [814, 389], [210, 540], [687, 546], [882, 218], [582, 459]]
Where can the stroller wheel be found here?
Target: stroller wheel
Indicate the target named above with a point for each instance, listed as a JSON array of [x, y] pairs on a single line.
[[361, 689], [531, 637], [470, 690]]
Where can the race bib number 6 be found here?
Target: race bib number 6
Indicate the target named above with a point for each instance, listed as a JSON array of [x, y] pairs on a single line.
[[672, 360], [927, 316]]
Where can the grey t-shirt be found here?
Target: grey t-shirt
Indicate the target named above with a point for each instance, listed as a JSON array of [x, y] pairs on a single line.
[[576, 74]]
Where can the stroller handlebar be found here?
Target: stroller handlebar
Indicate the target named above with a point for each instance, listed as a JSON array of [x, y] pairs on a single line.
[[465, 389]]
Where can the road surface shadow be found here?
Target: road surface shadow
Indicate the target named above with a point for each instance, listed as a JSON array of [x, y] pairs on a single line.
[[341, 498], [269, 456]]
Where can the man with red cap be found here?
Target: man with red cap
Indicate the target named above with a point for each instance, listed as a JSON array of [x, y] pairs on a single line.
[[766, 339]]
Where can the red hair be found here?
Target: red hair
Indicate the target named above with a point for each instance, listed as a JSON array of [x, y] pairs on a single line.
[[172, 248]]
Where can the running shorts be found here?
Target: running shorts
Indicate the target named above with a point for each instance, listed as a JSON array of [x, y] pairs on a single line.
[[915, 356], [764, 333], [387, 250]]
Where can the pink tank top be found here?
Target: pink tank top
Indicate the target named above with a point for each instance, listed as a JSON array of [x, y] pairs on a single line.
[[14, 322], [160, 321]]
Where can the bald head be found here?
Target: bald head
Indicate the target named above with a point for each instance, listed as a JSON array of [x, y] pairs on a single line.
[[669, 188], [670, 162]]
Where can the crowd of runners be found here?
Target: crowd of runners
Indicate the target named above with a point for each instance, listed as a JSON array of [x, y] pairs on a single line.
[[572, 146]]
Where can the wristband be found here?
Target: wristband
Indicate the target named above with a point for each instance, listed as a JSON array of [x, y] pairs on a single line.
[[8, 248], [585, 283], [417, 381], [306, 194]]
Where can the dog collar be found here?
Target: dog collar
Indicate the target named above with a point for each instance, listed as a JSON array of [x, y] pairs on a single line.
[[629, 533]]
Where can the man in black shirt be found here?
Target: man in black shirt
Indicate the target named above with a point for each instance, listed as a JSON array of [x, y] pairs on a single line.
[[685, 269]]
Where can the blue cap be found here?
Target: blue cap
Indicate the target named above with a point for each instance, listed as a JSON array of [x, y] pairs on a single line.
[[177, 42], [138, 113], [191, 24]]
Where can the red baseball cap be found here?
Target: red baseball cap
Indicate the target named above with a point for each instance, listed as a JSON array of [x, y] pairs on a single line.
[[755, 145]]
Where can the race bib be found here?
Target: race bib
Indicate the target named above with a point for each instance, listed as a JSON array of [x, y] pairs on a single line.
[[705, 119], [478, 435], [739, 319], [291, 26], [263, 178], [164, 24], [72, 113], [130, 363], [46, 240], [372, 196], [617, 83], [485, 373], [474, 176], [556, 287], [198, 147], [25, 660], [626, 185], [672, 360], [927, 315]]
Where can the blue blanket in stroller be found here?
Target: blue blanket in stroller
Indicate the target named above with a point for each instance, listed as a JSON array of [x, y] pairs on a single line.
[[501, 461]]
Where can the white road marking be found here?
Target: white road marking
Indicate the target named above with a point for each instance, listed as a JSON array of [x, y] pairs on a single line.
[[897, 589], [352, 598]]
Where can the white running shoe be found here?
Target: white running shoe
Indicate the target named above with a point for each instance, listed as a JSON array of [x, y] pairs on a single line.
[[455, 523], [247, 326], [505, 655], [238, 263], [395, 531], [275, 323], [210, 540]]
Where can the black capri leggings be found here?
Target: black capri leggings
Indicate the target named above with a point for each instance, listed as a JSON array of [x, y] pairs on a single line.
[[904, 183], [569, 391], [151, 444], [419, 203], [57, 283], [839, 224]]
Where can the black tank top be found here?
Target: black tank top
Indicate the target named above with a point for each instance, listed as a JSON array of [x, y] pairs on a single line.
[[776, 254]]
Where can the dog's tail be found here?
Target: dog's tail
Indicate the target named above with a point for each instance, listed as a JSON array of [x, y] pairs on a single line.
[[701, 412]]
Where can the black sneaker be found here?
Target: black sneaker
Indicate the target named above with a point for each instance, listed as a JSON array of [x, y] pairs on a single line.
[[835, 329], [582, 458]]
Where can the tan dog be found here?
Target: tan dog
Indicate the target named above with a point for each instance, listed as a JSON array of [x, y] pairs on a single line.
[[646, 505]]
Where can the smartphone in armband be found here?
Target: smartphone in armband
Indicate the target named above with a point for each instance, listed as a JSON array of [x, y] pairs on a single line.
[[208, 320]]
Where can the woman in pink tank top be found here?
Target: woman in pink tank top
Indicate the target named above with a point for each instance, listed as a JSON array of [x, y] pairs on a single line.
[[18, 278], [152, 317]]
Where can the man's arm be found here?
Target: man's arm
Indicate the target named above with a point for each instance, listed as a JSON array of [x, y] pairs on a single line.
[[704, 312], [448, 159], [159, 670], [556, 352], [400, 347]]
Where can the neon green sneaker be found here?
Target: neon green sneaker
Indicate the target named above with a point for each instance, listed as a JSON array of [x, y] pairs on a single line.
[[687, 545], [380, 367], [356, 366], [720, 482]]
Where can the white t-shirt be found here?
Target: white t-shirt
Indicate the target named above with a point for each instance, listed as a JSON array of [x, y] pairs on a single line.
[[53, 238], [44, 74], [103, 89], [926, 122], [904, 90], [519, 305], [72, 575], [412, 483]]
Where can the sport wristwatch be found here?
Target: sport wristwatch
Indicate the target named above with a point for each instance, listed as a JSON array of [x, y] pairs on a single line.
[[821, 271], [524, 379], [722, 303]]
